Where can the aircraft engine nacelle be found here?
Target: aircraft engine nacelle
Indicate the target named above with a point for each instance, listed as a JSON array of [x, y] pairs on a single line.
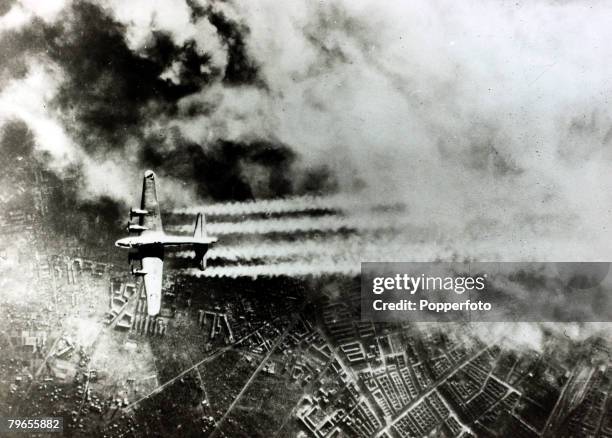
[[138, 272], [135, 227], [137, 212]]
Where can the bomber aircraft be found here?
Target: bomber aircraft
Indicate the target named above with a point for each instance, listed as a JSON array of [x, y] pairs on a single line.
[[148, 241]]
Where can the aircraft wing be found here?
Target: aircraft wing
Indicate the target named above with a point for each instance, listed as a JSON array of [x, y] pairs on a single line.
[[152, 220], [152, 266]]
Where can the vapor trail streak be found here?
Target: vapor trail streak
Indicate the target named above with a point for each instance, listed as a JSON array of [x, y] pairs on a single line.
[[331, 246], [356, 248], [288, 225], [293, 204], [292, 269], [315, 264]]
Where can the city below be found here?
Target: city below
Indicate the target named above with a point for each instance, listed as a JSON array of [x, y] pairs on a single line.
[[267, 356]]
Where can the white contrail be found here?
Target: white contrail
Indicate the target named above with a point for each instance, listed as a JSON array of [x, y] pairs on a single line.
[[285, 205], [355, 247], [328, 261], [287, 225], [333, 245], [291, 269]]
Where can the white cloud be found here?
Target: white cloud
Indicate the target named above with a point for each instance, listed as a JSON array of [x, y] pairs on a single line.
[[142, 17], [28, 99], [23, 11], [16, 17], [438, 102]]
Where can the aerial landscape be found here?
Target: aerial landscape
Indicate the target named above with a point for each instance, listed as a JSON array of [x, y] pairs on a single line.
[[249, 354]]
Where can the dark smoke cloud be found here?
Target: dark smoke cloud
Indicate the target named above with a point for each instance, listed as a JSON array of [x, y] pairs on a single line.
[[222, 168], [241, 68], [114, 101], [108, 89]]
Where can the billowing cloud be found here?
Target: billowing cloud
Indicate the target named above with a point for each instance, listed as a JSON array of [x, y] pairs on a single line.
[[27, 99], [19, 13], [490, 119]]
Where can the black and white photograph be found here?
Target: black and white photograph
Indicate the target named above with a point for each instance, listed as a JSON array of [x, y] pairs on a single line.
[[306, 218]]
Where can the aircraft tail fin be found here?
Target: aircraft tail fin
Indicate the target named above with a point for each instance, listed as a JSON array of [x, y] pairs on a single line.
[[200, 233], [200, 227]]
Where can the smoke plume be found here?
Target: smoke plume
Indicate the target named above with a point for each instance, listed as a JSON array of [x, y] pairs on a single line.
[[489, 117]]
